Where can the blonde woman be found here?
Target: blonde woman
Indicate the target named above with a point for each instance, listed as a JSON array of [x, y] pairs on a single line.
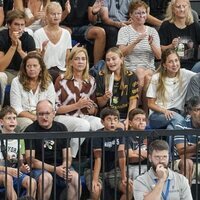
[[167, 90], [76, 101], [179, 31], [53, 41]]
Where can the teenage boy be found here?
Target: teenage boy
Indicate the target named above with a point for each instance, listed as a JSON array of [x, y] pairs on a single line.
[[137, 150], [9, 159], [110, 119]]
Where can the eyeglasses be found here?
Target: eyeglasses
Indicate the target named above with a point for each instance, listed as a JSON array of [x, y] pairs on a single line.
[[44, 114], [137, 13]]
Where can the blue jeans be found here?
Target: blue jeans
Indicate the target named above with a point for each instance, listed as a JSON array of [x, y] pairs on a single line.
[[196, 67], [158, 120]]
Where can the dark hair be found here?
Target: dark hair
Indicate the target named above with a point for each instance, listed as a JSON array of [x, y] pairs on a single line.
[[109, 111], [5, 110], [158, 145], [15, 14], [134, 112], [192, 102]]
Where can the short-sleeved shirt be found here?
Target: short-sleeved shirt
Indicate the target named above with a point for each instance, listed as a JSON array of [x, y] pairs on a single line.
[[142, 54], [189, 37], [27, 42], [48, 144], [186, 124], [120, 98], [158, 8], [111, 145], [79, 12], [68, 92], [175, 90], [178, 186], [117, 12], [12, 152]]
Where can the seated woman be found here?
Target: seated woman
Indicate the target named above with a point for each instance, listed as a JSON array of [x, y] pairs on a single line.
[[123, 91], [179, 31], [76, 101], [167, 90], [140, 45], [53, 41], [31, 85]]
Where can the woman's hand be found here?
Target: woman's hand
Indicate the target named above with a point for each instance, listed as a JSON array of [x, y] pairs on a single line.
[[169, 114]]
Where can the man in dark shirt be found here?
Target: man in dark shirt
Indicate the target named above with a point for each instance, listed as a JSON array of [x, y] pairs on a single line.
[[14, 46], [34, 150]]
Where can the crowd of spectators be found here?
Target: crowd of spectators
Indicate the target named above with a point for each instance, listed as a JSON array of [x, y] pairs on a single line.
[[152, 59]]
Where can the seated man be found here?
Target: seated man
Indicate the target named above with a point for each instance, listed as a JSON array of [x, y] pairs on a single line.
[[64, 176], [187, 152], [160, 182], [9, 164], [137, 149]]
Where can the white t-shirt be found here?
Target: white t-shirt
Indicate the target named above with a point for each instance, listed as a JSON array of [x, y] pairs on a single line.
[[175, 90], [55, 54]]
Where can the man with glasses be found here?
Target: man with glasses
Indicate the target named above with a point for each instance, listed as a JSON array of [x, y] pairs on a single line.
[[160, 182], [186, 146], [65, 175]]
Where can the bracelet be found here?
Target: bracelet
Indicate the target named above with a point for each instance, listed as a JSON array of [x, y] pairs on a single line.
[[94, 13]]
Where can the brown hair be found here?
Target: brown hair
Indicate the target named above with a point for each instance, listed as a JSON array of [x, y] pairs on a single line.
[[5, 110], [134, 112], [134, 5], [44, 77], [163, 73], [14, 14]]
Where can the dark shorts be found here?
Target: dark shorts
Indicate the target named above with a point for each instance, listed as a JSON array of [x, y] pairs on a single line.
[[17, 184], [60, 182]]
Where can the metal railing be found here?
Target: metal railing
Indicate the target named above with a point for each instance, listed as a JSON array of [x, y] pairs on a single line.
[[79, 161]]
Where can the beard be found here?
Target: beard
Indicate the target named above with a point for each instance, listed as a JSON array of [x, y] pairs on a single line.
[[155, 166]]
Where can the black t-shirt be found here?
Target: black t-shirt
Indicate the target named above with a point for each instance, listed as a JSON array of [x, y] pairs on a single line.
[[111, 145], [48, 144], [7, 5], [79, 12], [158, 8], [27, 42], [189, 37], [120, 98]]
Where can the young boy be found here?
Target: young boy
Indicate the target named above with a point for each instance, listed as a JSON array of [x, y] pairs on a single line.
[[9, 159], [110, 119], [137, 122]]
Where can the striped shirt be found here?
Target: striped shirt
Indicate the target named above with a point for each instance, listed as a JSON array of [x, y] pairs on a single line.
[[142, 54]]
